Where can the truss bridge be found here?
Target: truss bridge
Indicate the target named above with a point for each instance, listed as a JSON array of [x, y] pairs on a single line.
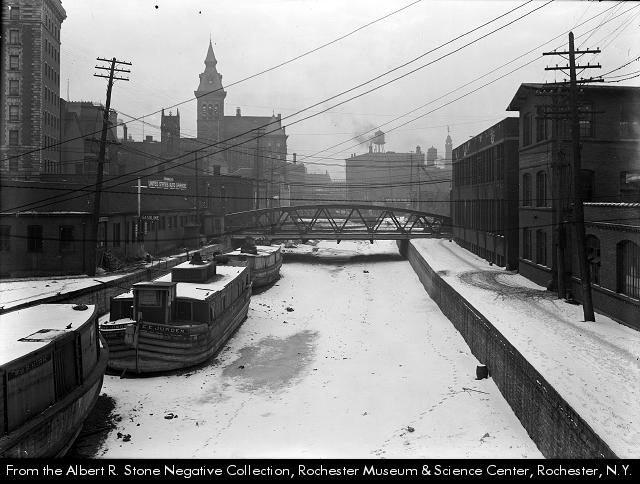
[[337, 222]]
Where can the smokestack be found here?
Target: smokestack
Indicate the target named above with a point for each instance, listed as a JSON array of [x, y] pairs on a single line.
[[294, 157], [124, 132]]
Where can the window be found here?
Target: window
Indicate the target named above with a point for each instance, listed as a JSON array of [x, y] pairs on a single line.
[[526, 189], [14, 62], [14, 138], [148, 297], [66, 238], [14, 87], [541, 247], [526, 130], [34, 238], [14, 36], [5, 234], [586, 121], [629, 124], [630, 182], [628, 262], [14, 113], [541, 189], [593, 258], [116, 235], [526, 243], [14, 13]]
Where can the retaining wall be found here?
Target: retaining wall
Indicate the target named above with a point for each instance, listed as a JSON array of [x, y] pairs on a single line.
[[557, 430], [101, 294]]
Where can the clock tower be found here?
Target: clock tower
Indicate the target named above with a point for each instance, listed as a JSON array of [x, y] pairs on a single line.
[[210, 96]]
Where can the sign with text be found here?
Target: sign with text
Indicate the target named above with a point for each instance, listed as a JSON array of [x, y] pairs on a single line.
[[167, 184]]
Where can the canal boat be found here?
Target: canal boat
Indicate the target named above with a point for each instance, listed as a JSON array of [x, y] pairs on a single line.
[[178, 320], [264, 262], [52, 363]]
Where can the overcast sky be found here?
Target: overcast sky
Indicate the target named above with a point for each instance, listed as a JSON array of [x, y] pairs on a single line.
[[167, 46]]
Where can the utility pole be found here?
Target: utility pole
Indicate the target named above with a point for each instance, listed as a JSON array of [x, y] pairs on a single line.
[[578, 210], [258, 168], [197, 197], [93, 241]]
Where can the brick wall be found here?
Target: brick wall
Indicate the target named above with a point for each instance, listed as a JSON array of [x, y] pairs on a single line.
[[557, 430]]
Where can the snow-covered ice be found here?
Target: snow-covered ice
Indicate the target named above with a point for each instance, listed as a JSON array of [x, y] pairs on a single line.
[[595, 367], [340, 358]]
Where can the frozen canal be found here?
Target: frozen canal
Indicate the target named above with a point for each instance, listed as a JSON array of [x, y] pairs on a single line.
[[341, 358]]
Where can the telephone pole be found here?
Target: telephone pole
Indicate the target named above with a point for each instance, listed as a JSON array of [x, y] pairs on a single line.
[[578, 210], [103, 143]]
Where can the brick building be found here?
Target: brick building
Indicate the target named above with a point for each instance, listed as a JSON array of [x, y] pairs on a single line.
[[42, 233], [484, 195], [30, 94], [398, 180], [609, 183]]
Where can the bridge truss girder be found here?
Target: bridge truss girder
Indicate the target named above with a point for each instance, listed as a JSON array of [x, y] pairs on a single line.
[[337, 222]]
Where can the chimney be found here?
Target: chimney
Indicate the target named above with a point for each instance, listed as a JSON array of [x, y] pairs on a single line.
[[124, 132], [294, 157], [238, 112]]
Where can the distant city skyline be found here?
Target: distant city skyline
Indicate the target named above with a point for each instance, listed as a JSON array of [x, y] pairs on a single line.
[[168, 53]]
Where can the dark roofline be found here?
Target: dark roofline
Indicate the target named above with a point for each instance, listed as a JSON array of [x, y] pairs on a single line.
[[521, 93]]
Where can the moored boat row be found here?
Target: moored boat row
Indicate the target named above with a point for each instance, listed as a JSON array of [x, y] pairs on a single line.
[[178, 320], [53, 356]]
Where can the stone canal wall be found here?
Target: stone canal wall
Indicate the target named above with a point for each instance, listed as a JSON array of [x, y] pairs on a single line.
[[101, 294], [557, 430]]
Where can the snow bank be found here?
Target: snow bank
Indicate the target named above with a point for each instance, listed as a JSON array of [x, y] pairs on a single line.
[[594, 366]]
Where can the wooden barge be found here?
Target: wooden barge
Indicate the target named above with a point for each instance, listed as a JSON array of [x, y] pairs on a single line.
[[178, 320], [52, 363], [264, 263]]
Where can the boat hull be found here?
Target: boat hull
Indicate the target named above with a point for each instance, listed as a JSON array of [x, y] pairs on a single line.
[[165, 347], [52, 433], [266, 276]]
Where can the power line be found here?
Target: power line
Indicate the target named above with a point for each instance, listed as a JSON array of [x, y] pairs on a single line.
[[354, 97], [246, 78]]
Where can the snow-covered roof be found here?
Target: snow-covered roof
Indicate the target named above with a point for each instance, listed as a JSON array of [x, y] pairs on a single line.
[[57, 319], [262, 251], [202, 290]]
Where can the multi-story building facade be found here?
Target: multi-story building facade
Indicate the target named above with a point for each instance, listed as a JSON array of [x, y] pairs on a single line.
[[30, 95], [484, 195], [610, 187], [398, 180]]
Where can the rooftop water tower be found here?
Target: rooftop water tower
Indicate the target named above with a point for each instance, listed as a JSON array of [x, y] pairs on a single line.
[[378, 142]]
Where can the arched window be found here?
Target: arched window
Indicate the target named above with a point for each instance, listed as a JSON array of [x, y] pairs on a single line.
[[593, 257], [541, 189], [526, 189], [628, 268]]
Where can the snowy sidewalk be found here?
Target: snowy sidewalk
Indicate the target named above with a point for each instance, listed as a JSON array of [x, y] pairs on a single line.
[[15, 292], [594, 366]]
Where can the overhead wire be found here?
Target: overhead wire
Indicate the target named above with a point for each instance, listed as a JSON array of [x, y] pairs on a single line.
[[366, 92]]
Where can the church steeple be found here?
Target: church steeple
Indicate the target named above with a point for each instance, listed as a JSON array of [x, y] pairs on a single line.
[[210, 96], [211, 57]]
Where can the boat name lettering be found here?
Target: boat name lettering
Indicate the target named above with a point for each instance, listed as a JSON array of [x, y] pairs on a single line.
[[32, 365], [161, 329]]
